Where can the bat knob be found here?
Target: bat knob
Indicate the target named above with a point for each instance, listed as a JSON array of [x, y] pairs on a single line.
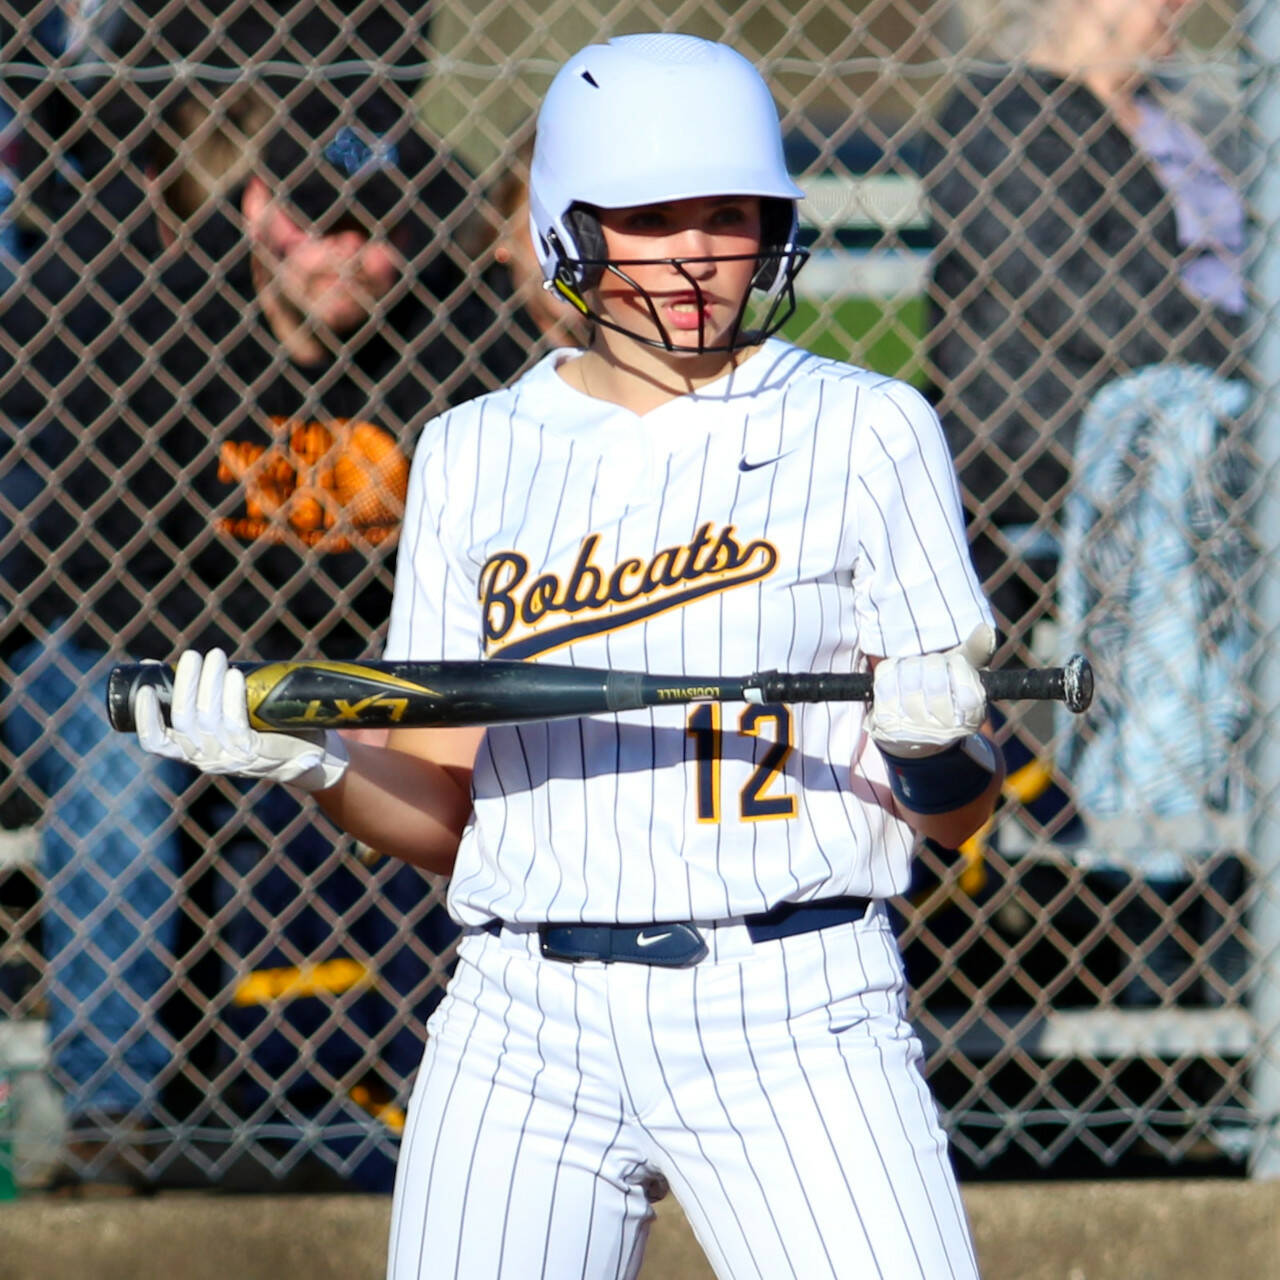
[[1077, 683], [123, 683]]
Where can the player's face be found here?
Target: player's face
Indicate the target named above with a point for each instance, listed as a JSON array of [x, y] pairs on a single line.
[[693, 260]]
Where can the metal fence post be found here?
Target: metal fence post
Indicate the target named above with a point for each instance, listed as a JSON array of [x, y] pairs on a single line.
[[1265, 112]]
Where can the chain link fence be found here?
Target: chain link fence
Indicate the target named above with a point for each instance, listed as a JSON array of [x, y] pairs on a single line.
[[205, 983]]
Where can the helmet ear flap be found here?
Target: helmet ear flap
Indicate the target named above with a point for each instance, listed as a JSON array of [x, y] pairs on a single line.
[[583, 224], [778, 225]]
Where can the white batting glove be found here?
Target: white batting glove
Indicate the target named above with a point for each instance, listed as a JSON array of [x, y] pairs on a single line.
[[923, 704], [209, 728]]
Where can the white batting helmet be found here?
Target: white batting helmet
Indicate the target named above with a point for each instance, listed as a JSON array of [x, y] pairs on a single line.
[[645, 119]]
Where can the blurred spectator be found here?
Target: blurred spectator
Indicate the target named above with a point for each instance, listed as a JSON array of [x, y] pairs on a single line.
[[82, 86], [220, 428], [1153, 570], [34, 117], [54, 139], [1088, 270], [9, 242], [242, 33], [1084, 230]]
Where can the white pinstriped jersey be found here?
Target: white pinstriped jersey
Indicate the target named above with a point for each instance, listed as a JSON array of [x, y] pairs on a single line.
[[798, 514]]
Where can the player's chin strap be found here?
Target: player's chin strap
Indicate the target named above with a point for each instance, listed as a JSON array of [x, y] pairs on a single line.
[[778, 267]]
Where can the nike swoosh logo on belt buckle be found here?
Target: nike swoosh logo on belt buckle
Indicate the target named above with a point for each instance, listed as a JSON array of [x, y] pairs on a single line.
[[647, 939]]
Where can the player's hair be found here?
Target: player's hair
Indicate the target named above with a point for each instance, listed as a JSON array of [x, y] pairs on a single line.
[[509, 193], [507, 198], [646, 119]]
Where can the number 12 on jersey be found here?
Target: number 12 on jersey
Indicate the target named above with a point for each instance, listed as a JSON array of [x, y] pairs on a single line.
[[756, 800]]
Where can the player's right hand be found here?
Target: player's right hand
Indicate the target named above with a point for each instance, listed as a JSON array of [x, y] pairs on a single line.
[[209, 728], [922, 704]]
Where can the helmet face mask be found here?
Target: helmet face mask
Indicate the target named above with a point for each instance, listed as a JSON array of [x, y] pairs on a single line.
[[657, 119], [778, 265]]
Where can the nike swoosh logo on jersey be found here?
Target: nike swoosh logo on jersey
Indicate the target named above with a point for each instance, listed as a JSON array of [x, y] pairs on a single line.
[[646, 939], [744, 465]]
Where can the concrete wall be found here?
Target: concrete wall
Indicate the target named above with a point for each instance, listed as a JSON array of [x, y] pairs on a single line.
[[1157, 1230]]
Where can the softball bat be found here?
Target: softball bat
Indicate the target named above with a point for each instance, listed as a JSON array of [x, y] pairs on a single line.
[[376, 695]]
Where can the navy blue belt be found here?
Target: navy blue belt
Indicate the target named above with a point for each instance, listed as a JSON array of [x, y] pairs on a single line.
[[677, 943]]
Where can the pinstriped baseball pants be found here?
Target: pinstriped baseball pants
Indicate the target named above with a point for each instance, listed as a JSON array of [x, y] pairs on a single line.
[[776, 1086]]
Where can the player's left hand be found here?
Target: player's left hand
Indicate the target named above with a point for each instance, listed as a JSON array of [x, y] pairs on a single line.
[[924, 703]]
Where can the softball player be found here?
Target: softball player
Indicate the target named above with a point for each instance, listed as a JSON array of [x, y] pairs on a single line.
[[676, 961]]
